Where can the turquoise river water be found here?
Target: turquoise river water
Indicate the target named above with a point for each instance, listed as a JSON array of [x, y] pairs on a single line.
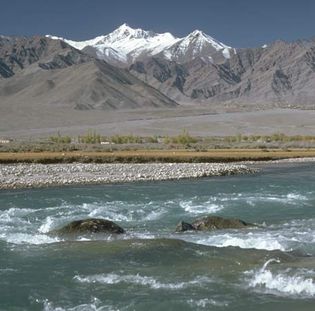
[[271, 267]]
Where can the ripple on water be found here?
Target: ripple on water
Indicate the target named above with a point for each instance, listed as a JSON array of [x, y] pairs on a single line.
[[253, 199], [127, 212], [206, 303], [196, 207], [94, 305]]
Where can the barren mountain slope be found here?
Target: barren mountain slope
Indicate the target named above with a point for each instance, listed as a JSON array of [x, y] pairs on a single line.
[[44, 72], [281, 75]]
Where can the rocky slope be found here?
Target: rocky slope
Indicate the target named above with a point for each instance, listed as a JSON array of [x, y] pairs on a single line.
[[280, 75], [19, 53], [40, 72]]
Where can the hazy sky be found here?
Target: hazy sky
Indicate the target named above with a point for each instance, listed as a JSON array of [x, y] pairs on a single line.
[[239, 23]]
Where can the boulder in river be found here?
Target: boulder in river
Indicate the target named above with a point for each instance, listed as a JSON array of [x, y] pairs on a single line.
[[210, 223], [88, 226], [184, 226]]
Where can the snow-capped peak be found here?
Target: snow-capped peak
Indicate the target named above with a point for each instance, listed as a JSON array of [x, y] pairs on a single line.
[[197, 33], [126, 44], [201, 36], [197, 44], [125, 31]]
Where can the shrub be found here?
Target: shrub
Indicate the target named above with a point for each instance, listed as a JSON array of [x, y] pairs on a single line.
[[127, 139], [182, 139], [90, 138], [58, 139]]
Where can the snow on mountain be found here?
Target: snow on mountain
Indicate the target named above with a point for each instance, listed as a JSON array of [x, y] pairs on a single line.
[[131, 43], [197, 44], [199, 39], [125, 45]]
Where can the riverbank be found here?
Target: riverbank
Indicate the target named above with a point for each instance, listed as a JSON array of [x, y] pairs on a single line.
[[14, 176]]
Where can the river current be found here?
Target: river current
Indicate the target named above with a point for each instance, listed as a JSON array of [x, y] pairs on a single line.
[[270, 267]]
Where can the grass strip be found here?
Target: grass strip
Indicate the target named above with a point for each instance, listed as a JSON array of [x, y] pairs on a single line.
[[153, 156]]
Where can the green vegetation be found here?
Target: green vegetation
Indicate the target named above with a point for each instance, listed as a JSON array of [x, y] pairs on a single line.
[[95, 142], [277, 137], [128, 139], [186, 140], [90, 138], [182, 139], [94, 138], [58, 139]]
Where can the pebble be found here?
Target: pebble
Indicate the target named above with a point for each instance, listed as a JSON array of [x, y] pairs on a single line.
[[13, 176]]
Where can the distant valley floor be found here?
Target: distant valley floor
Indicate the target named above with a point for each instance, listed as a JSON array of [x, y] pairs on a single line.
[[19, 123]]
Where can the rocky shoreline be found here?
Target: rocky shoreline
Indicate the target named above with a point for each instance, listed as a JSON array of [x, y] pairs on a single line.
[[14, 176]]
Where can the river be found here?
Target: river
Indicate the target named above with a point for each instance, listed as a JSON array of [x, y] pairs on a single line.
[[270, 267]]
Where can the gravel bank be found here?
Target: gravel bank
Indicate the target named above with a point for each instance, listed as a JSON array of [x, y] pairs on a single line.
[[39, 175], [294, 160], [282, 161]]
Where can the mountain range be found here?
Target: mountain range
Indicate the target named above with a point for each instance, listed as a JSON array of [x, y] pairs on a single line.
[[133, 68], [125, 45]]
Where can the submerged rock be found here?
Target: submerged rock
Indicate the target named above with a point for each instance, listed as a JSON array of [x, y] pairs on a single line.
[[92, 225], [184, 226], [209, 223], [216, 222]]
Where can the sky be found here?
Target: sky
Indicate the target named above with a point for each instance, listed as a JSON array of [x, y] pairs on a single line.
[[238, 23]]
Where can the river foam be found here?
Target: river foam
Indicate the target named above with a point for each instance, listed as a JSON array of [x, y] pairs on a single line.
[[289, 282], [136, 279], [25, 238], [288, 236], [261, 240]]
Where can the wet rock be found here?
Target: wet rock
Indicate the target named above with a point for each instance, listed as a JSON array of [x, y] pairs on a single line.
[[215, 222], [210, 223], [184, 226], [87, 226]]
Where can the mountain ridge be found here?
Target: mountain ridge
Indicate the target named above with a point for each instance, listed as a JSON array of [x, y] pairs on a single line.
[[128, 45], [195, 70]]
